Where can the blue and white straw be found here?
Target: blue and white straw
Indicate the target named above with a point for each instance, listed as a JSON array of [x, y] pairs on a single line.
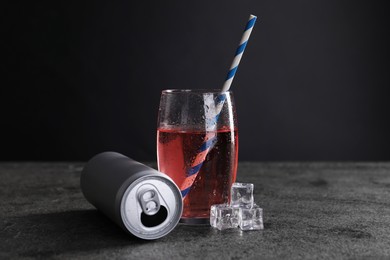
[[212, 118], [213, 109], [240, 50]]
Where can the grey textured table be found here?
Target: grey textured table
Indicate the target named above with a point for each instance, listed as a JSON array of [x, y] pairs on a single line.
[[311, 210]]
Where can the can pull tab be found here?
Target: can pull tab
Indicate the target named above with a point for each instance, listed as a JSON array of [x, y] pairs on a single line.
[[149, 201]]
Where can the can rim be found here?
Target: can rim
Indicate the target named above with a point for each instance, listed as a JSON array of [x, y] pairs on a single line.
[[174, 216]]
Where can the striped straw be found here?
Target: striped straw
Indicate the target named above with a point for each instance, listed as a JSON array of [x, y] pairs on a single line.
[[209, 141], [240, 50], [214, 110]]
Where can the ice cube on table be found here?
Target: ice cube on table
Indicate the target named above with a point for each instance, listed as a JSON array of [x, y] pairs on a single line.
[[242, 195], [213, 215], [223, 216], [250, 218]]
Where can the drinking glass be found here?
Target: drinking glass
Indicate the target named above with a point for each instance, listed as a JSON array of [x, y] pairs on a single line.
[[197, 146]]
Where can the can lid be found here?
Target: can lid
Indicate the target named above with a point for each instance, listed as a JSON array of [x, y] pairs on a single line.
[[151, 206]]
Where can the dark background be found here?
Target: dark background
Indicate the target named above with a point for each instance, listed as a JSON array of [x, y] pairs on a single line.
[[81, 77]]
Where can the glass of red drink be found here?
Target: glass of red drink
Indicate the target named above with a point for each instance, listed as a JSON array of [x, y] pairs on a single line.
[[197, 146]]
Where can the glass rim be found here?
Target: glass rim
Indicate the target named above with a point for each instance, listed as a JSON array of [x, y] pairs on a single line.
[[195, 91]]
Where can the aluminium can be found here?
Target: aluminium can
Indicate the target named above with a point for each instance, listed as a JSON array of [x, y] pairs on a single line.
[[141, 200]]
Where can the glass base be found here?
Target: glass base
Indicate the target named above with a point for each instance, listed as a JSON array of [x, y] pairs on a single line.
[[195, 221]]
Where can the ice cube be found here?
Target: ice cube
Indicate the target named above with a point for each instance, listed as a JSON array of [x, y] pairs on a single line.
[[223, 216], [213, 215], [241, 195], [250, 218]]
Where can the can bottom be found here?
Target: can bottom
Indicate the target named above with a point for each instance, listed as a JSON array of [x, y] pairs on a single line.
[[195, 221]]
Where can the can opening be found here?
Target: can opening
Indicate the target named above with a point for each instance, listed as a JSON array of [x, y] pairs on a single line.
[[150, 203], [156, 219]]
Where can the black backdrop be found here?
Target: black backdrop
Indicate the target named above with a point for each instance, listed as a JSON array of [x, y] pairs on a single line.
[[81, 77]]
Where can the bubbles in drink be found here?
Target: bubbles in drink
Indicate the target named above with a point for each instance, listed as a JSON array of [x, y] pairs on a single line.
[[216, 175]]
